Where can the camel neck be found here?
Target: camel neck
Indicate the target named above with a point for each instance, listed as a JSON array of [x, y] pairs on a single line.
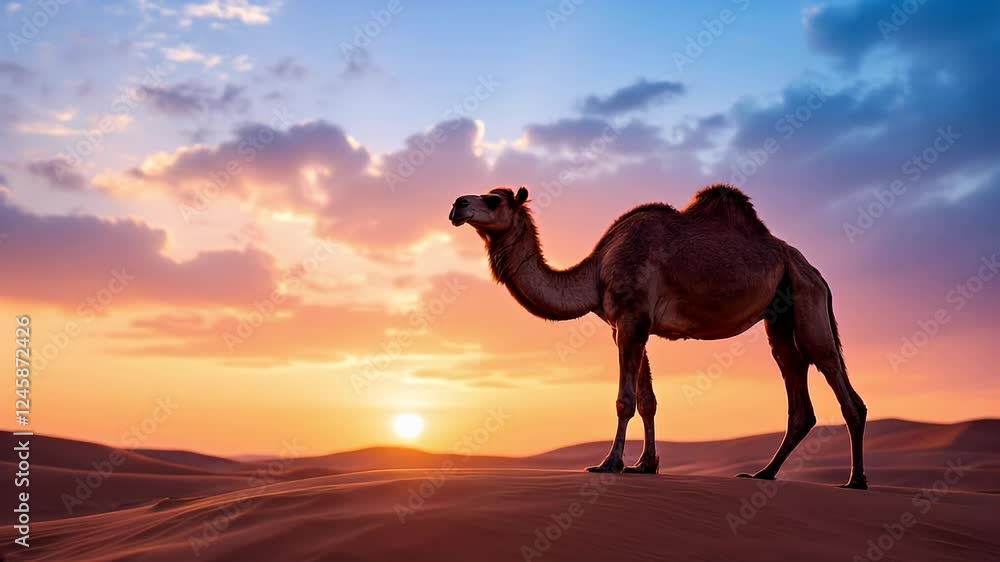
[[517, 262]]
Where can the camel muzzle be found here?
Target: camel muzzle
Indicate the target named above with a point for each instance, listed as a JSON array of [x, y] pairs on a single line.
[[460, 212]]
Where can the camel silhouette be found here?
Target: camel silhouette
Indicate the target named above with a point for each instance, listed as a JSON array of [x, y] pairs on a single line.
[[709, 271]]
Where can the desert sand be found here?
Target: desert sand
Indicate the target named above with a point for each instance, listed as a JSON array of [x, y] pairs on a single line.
[[934, 496]]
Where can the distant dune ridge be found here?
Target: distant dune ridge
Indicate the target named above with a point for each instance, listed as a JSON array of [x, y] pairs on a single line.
[[935, 496]]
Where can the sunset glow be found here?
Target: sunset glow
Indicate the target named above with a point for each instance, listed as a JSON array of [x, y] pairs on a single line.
[[259, 231]]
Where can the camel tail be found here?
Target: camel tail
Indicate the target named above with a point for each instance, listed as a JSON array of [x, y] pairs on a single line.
[[833, 324]]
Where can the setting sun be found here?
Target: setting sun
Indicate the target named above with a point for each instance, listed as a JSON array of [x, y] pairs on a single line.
[[408, 426]]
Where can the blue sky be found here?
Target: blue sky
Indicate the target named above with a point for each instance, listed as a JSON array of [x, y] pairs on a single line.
[[430, 56]]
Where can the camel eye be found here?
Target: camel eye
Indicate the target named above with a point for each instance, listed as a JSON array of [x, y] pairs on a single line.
[[492, 201]]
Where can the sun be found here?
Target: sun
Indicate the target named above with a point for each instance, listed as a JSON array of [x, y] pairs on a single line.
[[408, 426]]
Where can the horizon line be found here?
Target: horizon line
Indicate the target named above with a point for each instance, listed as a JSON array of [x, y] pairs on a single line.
[[243, 457]]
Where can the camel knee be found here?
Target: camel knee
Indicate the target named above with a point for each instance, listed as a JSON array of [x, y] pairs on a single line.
[[810, 421], [856, 412], [859, 404], [647, 405], [626, 407], [802, 422]]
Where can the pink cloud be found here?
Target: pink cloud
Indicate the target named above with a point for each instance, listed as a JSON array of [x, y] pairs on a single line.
[[79, 260]]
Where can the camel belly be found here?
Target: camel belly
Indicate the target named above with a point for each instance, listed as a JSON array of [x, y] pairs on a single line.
[[676, 326], [708, 315], [701, 288]]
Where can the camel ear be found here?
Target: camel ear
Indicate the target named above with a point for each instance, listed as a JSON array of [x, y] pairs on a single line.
[[522, 195]]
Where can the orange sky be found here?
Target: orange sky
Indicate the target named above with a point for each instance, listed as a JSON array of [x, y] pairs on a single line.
[[302, 376]]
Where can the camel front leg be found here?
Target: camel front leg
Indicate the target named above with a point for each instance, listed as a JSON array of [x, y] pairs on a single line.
[[631, 338], [648, 462]]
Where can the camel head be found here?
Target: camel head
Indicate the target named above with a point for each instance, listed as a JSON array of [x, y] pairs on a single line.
[[491, 212]]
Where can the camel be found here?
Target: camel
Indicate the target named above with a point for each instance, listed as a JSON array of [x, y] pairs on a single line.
[[707, 272]]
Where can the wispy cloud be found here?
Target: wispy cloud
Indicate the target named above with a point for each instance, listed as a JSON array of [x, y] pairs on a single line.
[[242, 63], [58, 173], [16, 73], [359, 65], [640, 95], [43, 129], [189, 98], [187, 53], [236, 10], [288, 69], [576, 134]]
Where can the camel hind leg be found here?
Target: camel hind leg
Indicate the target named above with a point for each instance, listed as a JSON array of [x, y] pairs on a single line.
[[794, 370], [819, 342]]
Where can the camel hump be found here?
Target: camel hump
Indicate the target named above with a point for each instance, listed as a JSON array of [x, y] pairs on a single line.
[[728, 203]]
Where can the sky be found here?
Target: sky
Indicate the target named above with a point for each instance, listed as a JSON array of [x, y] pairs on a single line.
[[227, 220]]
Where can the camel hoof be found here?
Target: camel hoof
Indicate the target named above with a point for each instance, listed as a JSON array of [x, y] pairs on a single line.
[[757, 476], [855, 485], [603, 469], [612, 466], [644, 466]]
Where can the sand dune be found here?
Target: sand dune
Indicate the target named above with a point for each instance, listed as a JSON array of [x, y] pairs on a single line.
[[480, 514], [196, 460], [78, 455], [387, 503], [900, 453]]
